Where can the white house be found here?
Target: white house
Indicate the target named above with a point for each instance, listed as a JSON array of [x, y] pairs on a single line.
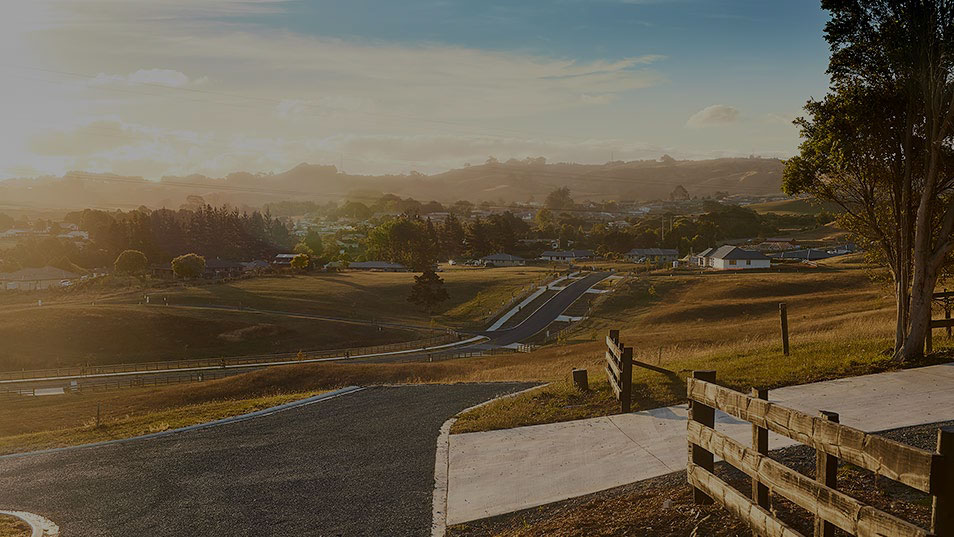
[[733, 258], [502, 260], [569, 255]]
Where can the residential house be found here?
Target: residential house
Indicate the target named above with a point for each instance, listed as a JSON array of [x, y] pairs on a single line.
[[502, 260], [33, 279], [567, 255], [652, 255], [735, 258], [283, 260]]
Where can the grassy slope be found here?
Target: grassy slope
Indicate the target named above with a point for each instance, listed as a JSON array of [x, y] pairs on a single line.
[[69, 329], [840, 321], [840, 324]]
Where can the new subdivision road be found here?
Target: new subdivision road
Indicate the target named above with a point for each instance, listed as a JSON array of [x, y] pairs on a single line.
[[356, 464], [531, 326]]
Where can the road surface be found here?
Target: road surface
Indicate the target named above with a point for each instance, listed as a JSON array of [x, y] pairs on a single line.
[[358, 464]]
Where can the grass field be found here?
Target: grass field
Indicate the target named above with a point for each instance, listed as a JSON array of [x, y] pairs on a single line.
[[840, 318], [105, 325]]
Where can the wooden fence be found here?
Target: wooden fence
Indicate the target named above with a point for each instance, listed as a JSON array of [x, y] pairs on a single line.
[[923, 470], [944, 298], [619, 369]]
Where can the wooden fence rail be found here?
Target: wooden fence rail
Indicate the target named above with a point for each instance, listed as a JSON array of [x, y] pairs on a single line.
[[945, 299], [930, 472], [619, 369]]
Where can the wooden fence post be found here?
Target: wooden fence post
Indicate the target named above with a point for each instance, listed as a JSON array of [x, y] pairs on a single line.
[[614, 335], [947, 312], [942, 515], [783, 315], [760, 493], [826, 473], [929, 340], [699, 456], [626, 380], [580, 380]]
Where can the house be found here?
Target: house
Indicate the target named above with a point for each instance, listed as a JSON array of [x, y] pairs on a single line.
[[566, 256], [377, 266], [732, 258], [33, 279], [252, 266], [283, 260], [502, 260], [652, 255]]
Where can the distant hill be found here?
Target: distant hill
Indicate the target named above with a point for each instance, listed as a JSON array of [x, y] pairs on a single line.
[[511, 181], [796, 206]]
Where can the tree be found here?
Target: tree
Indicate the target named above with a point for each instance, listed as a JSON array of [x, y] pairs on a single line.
[[559, 199], [131, 262], [301, 262], [879, 144], [188, 266], [428, 291], [679, 193], [313, 240]]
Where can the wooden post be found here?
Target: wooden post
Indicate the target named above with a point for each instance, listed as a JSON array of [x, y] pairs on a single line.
[[614, 335], [929, 340], [705, 415], [626, 380], [942, 515], [783, 315], [580, 380], [947, 311], [826, 473], [760, 493], [99, 420]]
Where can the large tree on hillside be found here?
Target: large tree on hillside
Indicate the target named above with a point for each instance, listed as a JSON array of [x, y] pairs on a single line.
[[879, 144]]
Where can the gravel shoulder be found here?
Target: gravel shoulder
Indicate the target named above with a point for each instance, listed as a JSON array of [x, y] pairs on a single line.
[[663, 506], [360, 464]]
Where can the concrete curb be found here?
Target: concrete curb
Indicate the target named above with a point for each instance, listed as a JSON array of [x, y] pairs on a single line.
[[442, 465], [40, 527], [198, 426]]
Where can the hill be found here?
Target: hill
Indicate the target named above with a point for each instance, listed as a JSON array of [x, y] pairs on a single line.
[[511, 181]]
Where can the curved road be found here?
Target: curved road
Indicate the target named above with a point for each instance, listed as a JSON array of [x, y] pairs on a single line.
[[357, 464]]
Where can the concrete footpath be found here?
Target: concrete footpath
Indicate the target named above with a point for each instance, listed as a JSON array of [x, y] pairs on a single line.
[[499, 472]]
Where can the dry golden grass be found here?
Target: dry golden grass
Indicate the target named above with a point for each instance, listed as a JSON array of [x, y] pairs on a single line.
[[841, 322], [13, 527]]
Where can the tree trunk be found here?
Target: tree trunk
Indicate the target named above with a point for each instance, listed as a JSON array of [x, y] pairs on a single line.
[[922, 295]]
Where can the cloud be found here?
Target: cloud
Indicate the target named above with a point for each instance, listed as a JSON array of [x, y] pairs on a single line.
[[717, 114], [160, 77]]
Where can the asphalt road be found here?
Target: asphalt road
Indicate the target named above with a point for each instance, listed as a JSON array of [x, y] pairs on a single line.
[[547, 313], [359, 464]]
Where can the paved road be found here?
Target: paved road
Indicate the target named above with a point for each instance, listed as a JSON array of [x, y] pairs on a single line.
[[359, 464], [547, 313]]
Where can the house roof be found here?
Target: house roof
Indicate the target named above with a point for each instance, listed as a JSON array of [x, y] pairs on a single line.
[[34, 274], [705, 253], [652, 251], [734, 252], [501, 257]]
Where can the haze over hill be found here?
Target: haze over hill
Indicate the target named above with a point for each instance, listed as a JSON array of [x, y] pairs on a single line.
[[511, 181]]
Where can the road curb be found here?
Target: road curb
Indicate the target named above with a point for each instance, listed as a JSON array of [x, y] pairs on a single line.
[[225, 421], [442, 464], [39, 526]]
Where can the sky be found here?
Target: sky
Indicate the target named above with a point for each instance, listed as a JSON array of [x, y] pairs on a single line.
[[174, 87]]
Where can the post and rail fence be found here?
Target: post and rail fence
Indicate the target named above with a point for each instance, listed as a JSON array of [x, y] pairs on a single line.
[[926, 471], [619, 369], [944, 298]]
